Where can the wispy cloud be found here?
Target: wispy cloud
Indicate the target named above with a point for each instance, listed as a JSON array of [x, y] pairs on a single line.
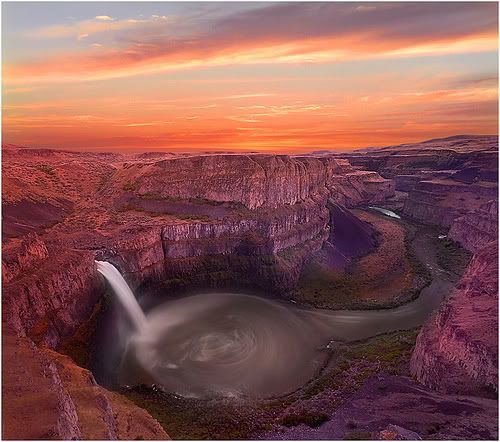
[[96, 25], [243, 119], [282, 33], [150, 123]]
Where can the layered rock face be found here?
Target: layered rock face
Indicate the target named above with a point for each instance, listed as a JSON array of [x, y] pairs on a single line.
[[209, 220], [444, 178], [477, 228], [214, 251], [258, 215], [457, 350], [349, 187], [441, 201], [47, 292], [255, 181], [47, 396]]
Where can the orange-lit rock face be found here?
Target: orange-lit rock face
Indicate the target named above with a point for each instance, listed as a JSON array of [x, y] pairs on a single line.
[[253, 180], [60, 400], [160, 219], [144, 210]]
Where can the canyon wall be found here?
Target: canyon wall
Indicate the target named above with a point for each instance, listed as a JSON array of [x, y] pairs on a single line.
[[271, 245], [453, 183], [441, 201], [47, 292], [457, 349], [476, 228], [255, 181], [440, 179], [204, 220], [233, 216], [47, 396]]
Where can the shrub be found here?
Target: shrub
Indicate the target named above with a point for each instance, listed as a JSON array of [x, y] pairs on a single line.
[[358, 435], [310, 419], [45, 168], [129, 186]]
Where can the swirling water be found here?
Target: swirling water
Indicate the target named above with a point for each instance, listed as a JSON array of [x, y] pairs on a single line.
[[226, 343], [236, 344]]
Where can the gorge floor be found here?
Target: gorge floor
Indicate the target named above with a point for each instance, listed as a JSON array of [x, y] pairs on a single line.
[[349, 367]]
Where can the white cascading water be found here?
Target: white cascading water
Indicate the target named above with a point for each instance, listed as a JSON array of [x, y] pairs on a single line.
[[124, 294]]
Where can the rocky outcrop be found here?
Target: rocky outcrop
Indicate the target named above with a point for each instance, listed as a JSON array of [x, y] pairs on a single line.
[[21, 256], [440, 202], [457, 350], [406, 183], [477, 228], [260, 214], [350, 188], [49, 397], [252, 180], [255, 181], [444, 154], [463, 159], [49, 292], [395, 432], [30, 385], [230, 250]]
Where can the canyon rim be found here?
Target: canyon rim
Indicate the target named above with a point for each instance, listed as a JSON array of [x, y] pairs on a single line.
[[250, 221]]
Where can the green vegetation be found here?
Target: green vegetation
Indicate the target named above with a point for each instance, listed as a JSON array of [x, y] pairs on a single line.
[[310, 419], [451, 256], [191, 419], [129, 206], [193, 200], [322, 286], [48, 170], [129, 186], [45, 168], [422, 276], [360, 360]]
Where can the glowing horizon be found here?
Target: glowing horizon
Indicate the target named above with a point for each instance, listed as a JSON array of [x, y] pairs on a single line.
[[287, 77]]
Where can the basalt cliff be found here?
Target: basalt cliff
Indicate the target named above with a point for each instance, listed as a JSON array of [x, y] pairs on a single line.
[[180, 221], [207, 220], [453, 183], [457, 350]]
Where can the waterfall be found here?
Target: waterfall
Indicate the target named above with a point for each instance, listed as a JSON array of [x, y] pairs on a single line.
[[124, 294]]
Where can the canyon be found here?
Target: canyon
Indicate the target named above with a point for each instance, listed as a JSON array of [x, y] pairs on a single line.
[[172, 223]]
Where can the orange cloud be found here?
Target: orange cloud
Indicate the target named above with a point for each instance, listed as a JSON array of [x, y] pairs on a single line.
[[266, 107], [331, 32]]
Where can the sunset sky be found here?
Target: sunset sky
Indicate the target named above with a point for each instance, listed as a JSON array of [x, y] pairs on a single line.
[[255, 76]]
